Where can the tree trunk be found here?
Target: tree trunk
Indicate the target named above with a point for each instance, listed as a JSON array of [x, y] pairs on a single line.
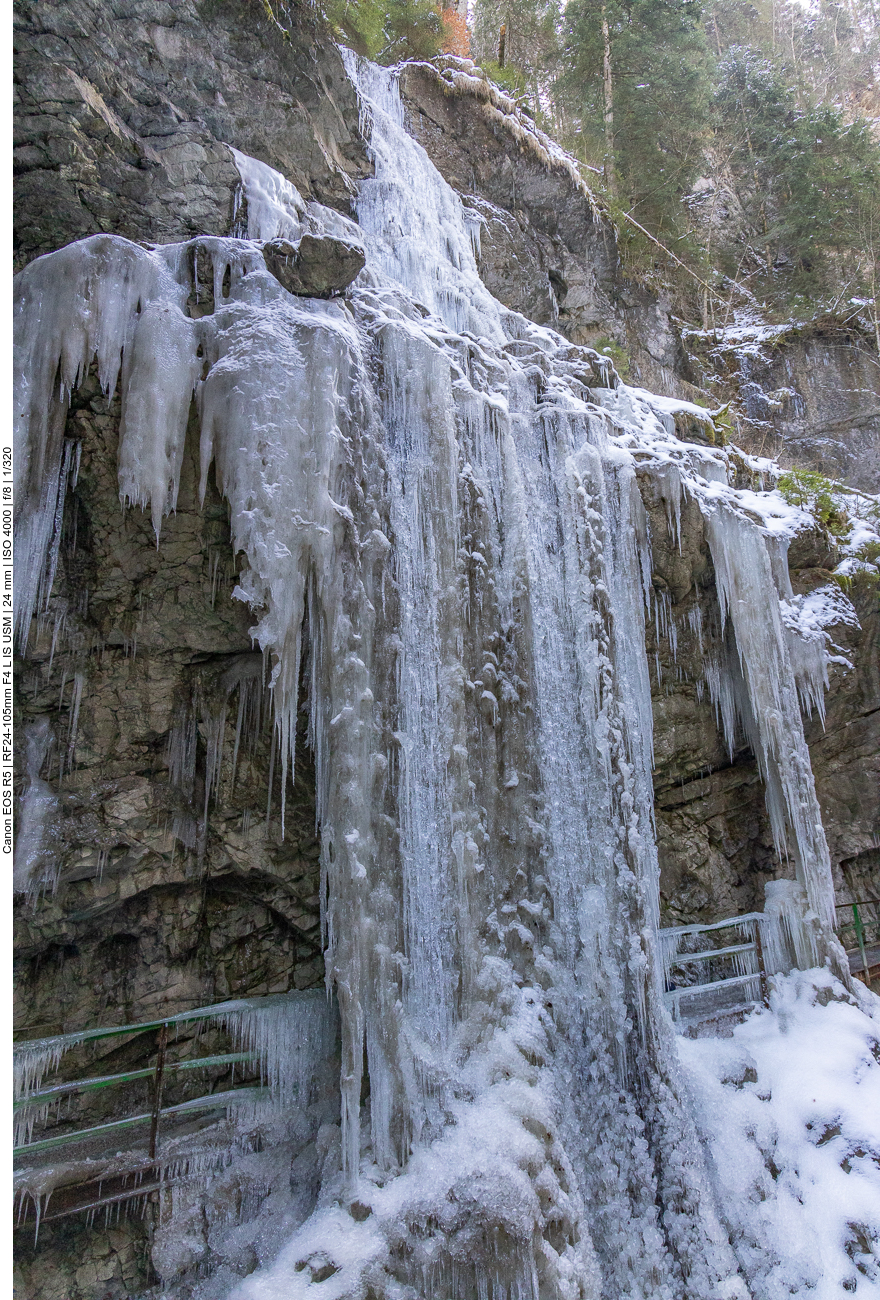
[[610, 177]]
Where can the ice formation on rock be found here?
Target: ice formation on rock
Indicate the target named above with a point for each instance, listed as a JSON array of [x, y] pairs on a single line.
[[438, 508]]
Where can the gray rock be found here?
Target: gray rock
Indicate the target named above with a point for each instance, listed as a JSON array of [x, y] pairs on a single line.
[[808, 395], [546, 250], [125, 111], [169, 897], [320, 266]]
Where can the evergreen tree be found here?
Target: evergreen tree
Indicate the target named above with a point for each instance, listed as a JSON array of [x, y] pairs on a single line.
[[635, 81], [517, 42], [810, 178]]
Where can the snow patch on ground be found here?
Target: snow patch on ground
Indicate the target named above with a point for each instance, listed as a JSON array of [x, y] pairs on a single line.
[[789, 1110]]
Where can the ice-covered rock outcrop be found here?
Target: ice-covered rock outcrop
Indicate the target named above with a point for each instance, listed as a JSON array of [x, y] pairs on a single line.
[[443, 536]]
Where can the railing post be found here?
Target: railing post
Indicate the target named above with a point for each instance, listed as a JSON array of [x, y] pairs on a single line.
[[157, 1088], [762, 968], [860, 937]]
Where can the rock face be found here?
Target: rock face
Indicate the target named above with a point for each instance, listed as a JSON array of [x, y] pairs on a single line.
[[715, 846], [125, 114], [810, 395], [544, 248], [154, 908], [317, 267], [168, 884], [124, 118]]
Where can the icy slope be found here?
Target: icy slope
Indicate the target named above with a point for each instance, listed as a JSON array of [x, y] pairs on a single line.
[[789, 1108]]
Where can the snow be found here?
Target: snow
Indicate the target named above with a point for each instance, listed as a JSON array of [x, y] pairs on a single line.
[[806, 619], [789, 1109]]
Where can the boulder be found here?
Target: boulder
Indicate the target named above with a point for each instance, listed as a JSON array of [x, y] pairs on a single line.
[[320, 266]]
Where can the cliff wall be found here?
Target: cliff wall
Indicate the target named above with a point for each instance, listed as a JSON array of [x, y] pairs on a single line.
[[167, 883]]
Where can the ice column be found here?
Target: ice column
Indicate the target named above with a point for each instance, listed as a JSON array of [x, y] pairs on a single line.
[[770, 707]]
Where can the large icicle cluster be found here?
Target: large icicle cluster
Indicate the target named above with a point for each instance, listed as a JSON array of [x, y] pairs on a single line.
[[444, 496]]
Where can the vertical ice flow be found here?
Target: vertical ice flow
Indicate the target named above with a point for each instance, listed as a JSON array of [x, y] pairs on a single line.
[[771, 706]]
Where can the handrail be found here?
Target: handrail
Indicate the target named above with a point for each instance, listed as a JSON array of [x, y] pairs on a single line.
[[214, 1101], [694, 990], [669, 937], [709, 953], [61, 1041], [108, 1080], [36, 1054], [255, 1038], [673, 996], [698, 927], [858, 925]]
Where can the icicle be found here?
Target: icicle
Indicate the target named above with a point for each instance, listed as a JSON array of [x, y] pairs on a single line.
[[294, 1036], [790, 942], [695, 623], [155, 407], [101, 297], [721, 694], [453, 561], [73, 725], [748, 598], [665, 626]]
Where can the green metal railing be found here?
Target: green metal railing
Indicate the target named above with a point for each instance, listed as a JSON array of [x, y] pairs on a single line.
[[114, 1178], [745, 988], [49, 1048], [861, 920]]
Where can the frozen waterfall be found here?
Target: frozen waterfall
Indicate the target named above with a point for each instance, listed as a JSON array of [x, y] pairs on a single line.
[[444, 494]]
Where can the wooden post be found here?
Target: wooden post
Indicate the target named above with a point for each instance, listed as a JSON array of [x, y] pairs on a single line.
[[157, 1088], [502, 41]]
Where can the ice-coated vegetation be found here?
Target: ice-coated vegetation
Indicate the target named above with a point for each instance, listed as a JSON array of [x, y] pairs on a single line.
[[437, 506]]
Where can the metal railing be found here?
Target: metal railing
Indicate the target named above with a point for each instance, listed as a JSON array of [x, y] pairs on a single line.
[[694, 990], [37, 1087], [722, 994], [29, 1100], [860, 920]]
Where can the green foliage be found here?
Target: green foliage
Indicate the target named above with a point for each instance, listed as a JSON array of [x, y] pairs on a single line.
[[608, 347], [808, 176], [509, 78], [774, 97], [862, 575], [828, 49], [819, 495], [660, 96], [869, 552], [531, 41], [724, 425], [387, 30]]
